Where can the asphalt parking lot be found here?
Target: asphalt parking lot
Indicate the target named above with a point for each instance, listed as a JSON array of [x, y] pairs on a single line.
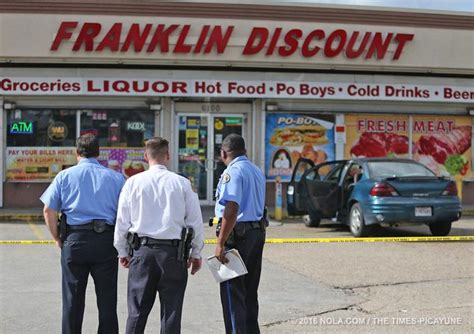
[[414, 287]]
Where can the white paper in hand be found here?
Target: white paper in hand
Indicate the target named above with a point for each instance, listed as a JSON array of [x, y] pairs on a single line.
[[232, 269]]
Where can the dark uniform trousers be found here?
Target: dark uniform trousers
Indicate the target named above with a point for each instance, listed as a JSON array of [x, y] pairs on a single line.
[[155, 270], [239, 296], [87, 252]]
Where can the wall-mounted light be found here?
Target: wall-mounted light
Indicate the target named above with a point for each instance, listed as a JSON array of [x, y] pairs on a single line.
[[271, 107], [9, 105], [156, 107]]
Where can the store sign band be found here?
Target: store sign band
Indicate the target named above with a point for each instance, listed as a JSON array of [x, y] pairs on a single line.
[[235, 88]]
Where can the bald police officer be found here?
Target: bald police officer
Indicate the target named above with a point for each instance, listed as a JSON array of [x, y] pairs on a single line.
[[154, 207], [240, 202], [87, 194]]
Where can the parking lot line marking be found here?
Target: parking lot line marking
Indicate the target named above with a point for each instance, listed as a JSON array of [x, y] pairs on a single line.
[[293, 240], [36, 231]]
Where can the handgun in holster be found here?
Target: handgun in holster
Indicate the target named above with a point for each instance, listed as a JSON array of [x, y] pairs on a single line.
[[184, 248], [233, 236], [133, 243], [62, 227], [264, 221]]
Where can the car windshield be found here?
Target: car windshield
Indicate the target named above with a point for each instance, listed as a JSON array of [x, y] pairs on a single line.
[[398, 169]]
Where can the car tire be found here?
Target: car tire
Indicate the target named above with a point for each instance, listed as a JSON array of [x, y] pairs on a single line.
[[357, 223], [313, 219], [440, 229]]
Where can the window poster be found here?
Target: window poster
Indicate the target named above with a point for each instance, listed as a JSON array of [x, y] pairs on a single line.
[[443, 143], [37, 164], [289, 137], [128, 161], [376, 136], [42, 164]]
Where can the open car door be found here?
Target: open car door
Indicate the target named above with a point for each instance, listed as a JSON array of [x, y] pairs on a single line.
[[321, 184], [296, 194]]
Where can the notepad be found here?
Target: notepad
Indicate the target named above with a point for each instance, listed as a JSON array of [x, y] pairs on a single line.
[[232, 269]]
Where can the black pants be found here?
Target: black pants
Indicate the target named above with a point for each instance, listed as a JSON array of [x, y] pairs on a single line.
[[84, 253], [239, 296], [155, 270]]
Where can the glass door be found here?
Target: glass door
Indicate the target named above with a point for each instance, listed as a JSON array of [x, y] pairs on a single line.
[[222, 127], [193, 151], [200, 138]]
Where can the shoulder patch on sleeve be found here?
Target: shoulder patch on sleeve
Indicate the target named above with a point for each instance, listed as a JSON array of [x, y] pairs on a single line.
[[225, 178]]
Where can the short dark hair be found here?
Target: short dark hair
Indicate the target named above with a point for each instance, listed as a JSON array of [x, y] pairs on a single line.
[[234, 145], [88, 146], [156, 147]]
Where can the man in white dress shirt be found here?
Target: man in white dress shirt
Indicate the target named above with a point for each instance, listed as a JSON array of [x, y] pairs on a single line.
[[155, 206]]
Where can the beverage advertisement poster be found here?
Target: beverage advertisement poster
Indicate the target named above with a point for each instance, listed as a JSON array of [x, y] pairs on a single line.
[[376, 136], [37, 164], [289, 137], [128, 161], [443, 144]]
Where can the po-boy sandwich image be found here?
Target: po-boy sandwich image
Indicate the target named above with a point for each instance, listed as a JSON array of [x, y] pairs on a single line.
[[299, 135]]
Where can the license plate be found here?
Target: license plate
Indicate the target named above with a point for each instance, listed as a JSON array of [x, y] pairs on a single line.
[[423, 211]]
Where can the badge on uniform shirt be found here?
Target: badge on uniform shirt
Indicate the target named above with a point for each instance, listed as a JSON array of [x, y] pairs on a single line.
[[226, 178]]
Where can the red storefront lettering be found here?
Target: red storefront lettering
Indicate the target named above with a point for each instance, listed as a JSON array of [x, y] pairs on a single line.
[[338, 42], [88, 32]]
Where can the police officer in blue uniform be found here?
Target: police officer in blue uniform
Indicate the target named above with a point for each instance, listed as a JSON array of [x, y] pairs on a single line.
[[88, 195], [240, 202]]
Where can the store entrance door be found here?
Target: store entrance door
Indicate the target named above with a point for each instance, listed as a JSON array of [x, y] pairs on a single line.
[[199, 140]]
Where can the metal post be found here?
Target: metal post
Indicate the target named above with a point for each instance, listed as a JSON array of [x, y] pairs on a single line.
[[278, 198]]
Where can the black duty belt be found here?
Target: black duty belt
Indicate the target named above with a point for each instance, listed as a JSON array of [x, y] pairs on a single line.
[[89, 227], [150, 242], [250, 225]]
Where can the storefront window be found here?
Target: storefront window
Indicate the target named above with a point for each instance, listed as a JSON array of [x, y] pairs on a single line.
[[41, 142], [118, 128], [41, 127]]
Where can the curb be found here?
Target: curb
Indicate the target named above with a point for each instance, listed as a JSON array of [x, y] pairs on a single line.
[[23, 217], [38, 217]]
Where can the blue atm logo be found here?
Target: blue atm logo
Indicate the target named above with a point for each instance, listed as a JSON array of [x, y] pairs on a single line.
[[23, 128]]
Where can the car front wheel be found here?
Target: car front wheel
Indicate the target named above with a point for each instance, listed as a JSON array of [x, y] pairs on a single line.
[[440, 229], [356, 222], [312, 220]]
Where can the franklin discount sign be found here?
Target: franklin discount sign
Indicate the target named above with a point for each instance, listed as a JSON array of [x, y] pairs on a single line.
[[95, 37], [233, 88]]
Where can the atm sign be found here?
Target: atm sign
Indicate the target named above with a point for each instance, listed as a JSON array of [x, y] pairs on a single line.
[[22, 128]]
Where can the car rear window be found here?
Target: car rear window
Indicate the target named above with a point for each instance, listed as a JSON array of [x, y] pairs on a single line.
[[398, 169]]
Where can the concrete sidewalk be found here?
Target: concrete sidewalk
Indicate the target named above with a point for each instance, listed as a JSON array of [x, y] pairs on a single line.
[[36, 214]]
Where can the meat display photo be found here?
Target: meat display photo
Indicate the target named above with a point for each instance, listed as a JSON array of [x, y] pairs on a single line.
[[444, 145], [375, 136]]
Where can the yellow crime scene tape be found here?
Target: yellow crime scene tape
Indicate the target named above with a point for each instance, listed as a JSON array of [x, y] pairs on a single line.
[[294, 240]]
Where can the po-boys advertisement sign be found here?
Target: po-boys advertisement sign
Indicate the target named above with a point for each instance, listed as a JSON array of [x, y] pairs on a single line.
[[289, 137], [234, 88], [442, 143]]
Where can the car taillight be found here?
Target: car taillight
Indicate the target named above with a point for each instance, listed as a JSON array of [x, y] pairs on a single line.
[[451, 189], [383, 190]]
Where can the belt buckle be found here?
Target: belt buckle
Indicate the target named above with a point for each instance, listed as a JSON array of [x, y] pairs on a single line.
[[99, 226]]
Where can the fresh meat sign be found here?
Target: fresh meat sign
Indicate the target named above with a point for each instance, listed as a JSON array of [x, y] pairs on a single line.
[[442, 143], [233, 88]]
